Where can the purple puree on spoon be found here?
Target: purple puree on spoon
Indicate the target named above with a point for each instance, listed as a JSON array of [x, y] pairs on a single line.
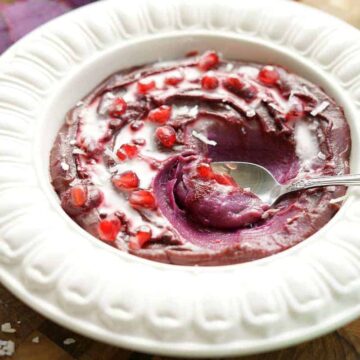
[[131, 162], [214, 204]]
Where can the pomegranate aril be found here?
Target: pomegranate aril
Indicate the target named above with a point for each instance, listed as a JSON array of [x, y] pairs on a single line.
[[78, 196], [95, 197], [80, 199], [208, 61], [118, 107], [174, 79], [121, 155], [136, 125], [154, 164], [209, 82], [192, 53], [234, 84], [295, 112], [166, 136], [115, 123], [140, 142], [204, 171], [268, 75], [109, 228], [249, 93], [127, 180], [160, 115], [142, 199], [127, 151], [224, 179], [131, 150], [144, 86], [142, 236]]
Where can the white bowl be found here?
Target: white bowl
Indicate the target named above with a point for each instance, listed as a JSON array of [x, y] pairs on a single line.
[[74, 279]]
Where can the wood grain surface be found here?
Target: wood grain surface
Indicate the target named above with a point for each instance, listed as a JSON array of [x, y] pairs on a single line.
[[37, 338]]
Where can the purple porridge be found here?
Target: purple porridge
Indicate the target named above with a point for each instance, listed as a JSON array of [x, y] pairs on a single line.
[[131, 162]]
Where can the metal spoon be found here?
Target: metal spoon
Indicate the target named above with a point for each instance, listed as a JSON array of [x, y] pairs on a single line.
[[265, 186]]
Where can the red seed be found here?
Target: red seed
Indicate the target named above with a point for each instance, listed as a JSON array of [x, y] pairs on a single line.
[[121, 155], [142, 199], [145, 85], [268, 75], [160, 115], [249, 93], [127, 151], [295, 112], [205, 171], [166, 136], [224, 179], [208, 61], [109, 228], [78, 196], [136, 125], [209, 82], [140, 141], [114, 124], [131, 150], [142, 236], [118, 107], [127, 180], [192, 53], [174, 79], [234, 84]]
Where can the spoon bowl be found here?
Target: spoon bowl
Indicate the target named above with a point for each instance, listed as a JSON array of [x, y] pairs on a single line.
[[248, 175], [263, 184]]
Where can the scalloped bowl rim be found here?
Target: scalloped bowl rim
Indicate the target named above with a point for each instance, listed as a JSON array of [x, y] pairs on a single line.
[[71, 303]]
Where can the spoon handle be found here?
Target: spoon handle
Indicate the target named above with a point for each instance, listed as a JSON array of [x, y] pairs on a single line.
[[346, 180]]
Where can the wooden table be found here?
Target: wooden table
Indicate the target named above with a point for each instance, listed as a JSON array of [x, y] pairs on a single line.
[[37, 338]]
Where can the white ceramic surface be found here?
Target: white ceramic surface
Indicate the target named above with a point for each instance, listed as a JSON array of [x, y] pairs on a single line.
[[74, 279]]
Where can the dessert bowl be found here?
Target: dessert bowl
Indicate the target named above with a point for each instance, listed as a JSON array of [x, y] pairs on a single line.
[[68, 275]]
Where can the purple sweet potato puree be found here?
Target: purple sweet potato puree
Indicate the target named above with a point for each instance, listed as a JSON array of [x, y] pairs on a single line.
[[130, 164]]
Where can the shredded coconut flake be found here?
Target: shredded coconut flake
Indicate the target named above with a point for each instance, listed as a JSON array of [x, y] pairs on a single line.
[[337, 200], [178, 147], [110, 154], [6, 328], [106, 103], [65, 166], [320, 108], [269, 213], [229, 67], [7, 348], [203, 138], [69, 341], [35, 340], [321, 156], [194, 111], [78, 151], [250, 113]]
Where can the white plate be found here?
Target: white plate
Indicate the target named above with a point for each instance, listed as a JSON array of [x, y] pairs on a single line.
[[79, 282]]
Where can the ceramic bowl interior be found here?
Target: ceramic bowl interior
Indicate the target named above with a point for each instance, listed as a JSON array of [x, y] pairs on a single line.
[[162, 48]]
